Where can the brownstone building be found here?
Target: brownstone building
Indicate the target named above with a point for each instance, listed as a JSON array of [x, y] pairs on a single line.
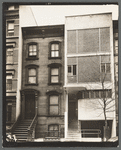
[[12, 47], [43, 79]]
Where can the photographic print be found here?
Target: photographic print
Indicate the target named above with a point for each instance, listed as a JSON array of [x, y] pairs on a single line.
[[61, 74]]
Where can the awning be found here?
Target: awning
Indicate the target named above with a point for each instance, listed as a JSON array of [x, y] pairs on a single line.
[[74, 90]]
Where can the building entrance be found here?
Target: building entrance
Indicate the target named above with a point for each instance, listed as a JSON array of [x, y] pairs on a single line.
[[29, 106]]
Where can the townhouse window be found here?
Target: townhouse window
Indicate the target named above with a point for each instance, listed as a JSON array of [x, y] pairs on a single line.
[[116, 46], [9, 55], [31, 74], [8, 112], [54, 105], [10, 28], [71, 70], [9, 82], [54, 73], [11, 7], [53, 130], [54, 50], [32, 52]]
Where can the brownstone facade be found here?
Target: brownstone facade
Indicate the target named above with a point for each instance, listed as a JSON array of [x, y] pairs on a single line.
[[43, 73], [12, 46]]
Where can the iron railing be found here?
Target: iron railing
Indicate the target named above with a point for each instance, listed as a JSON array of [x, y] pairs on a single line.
[[91, 132]]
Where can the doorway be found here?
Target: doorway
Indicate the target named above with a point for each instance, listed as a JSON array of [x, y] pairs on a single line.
[[29, 106]]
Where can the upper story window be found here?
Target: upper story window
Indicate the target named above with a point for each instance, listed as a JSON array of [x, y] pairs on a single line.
[[9, 82], [11, 7], [116, 46], [55, 49], [71, 70], [105, 67], [31, 75], [10, 28], [54, 73], [9, 55], [32, 51], [105, 64]]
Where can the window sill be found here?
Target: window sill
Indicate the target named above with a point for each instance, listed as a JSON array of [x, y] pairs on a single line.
[[54, 83], [54, 57], [28, 84], [32, 58]]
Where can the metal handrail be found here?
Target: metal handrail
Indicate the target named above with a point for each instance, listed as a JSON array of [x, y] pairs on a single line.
[[15, 124], [90, 131], [32, 126], [29, 128]]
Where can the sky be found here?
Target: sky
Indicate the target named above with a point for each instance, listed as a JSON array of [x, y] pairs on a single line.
[[42, 15]]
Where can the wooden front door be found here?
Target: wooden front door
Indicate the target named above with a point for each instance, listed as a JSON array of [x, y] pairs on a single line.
[[29, 106]]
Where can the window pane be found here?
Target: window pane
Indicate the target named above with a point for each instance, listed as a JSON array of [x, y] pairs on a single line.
[[34, 53], [32, 79], [102, 67], [69, 69], [52, 47], [54, 71], [52, 54], [53, 99], [53, 110], [103, 94], [54, 79], [11, 8], [86, 94], [96, 94], [9, 84], [56, 53], [74, 69], [109, 94], [32, 72], [30, 48], [92, 94], [9, 59], [56, 47], [107, 68], [51, 128], [10, 26], [34, 47], [55, 127]]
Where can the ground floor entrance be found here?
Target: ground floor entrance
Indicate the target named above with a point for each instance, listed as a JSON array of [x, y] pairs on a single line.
[[29, 106]]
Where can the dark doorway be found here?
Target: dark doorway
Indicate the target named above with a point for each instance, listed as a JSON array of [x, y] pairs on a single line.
[[29, 106], [72, 110]]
